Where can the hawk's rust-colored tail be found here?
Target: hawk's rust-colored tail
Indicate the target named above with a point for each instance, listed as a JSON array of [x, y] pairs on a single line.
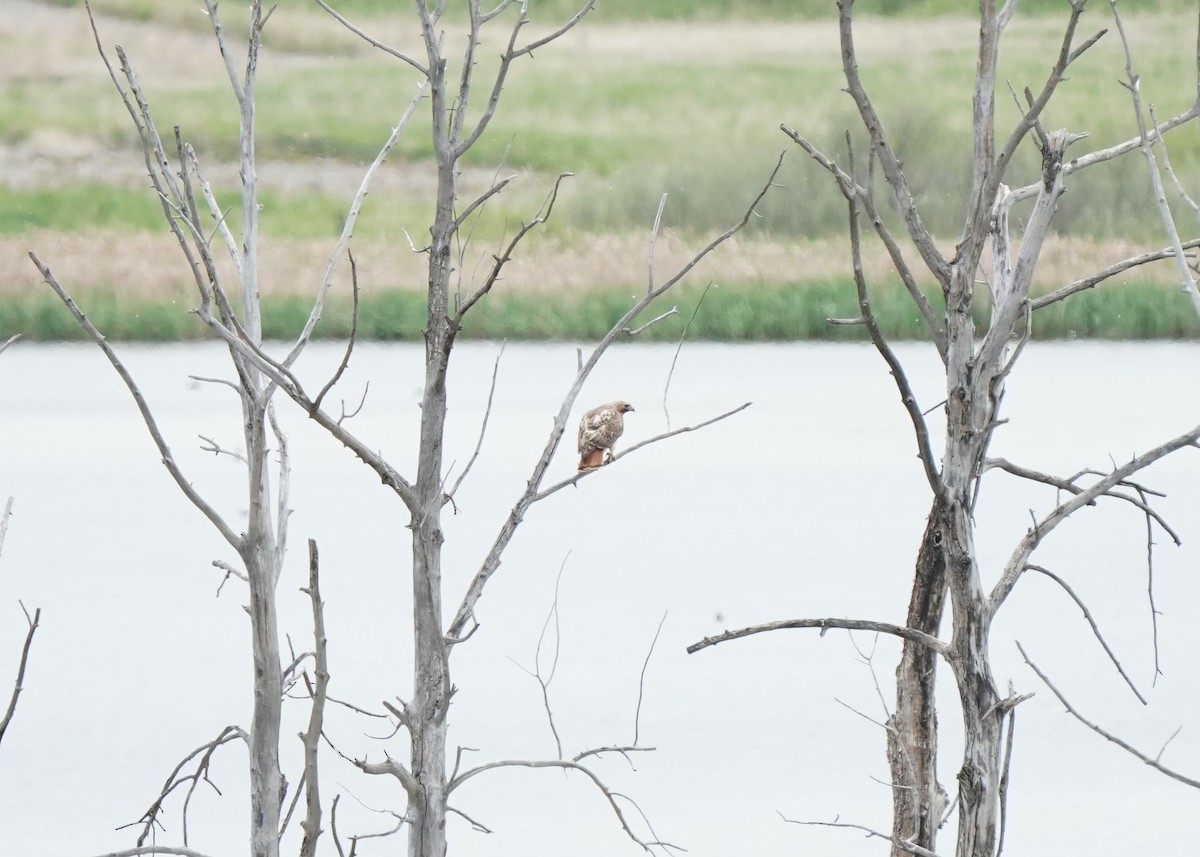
[[592, 460]]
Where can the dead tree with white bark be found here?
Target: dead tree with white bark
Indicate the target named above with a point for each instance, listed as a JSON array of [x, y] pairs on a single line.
[[187, 202], [462, 99], [978, 359]]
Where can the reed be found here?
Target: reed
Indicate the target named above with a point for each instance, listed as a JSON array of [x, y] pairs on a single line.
[[749, 312]]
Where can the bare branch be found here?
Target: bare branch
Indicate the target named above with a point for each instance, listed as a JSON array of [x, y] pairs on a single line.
[[1087, 614], [545, 40], [155, 849], [533, 491], [311, 825], [662, 203], [1150, 584], [19, 683], [904, 844], [479, 828], [500, 260], [4, 345], [1186, 280], [911, 634], [1108, 154], [679, 348], [1129, 748], [1070, 485], [880, 145], [1018, 562], [1111, 271], [400, 55], [348, 226], [168, 458], [642, 327], [487, 412], [1066, 56], [316, 405], [637, 713], [568, 765], [907, 397], [847, 184], [176, 778], [571, 480], [4, 522]]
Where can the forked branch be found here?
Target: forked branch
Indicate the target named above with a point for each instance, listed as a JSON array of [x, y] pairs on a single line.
[[19, 683], [533, 487], [1019, 561]]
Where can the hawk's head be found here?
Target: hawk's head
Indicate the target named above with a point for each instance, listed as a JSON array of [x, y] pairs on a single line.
[[623, 407]]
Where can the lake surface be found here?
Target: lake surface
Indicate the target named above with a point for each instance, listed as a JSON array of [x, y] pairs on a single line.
[[810, 503]]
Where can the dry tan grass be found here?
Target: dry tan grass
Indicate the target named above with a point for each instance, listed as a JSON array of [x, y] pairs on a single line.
[[147, 265]]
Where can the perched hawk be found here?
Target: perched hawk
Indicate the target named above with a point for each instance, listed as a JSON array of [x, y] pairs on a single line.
[[598, 431]]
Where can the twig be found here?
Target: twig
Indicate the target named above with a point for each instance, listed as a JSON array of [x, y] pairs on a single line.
[[4, 345], [487, 412], [4, 522], [1019, 559], [316, 404], [634, 331], [1150, 584], [568, 765], [906, 845], [662, 203], [175, 780], [19, 683], [679, 348], [637, 713]]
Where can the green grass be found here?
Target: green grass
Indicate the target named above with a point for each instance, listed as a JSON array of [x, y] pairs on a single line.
[[741, 313], [703, 128]]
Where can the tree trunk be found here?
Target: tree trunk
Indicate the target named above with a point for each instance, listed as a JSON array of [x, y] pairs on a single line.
[[431, 674], [917, 798], [979, 777], [260, 558]]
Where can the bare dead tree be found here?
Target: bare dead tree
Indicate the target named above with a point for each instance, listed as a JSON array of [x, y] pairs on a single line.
[[179, 184], [977, 361], [461, 111]]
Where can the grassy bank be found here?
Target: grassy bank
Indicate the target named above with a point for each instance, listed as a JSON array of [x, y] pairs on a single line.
[[634, 110], [747, 313]]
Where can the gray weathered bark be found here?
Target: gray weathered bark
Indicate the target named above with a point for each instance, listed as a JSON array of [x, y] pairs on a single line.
[[261, 546], [977, 360]]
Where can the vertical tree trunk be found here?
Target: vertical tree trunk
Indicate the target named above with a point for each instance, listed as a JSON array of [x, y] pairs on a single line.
[[917, 797], [431, 675], [979, 777]]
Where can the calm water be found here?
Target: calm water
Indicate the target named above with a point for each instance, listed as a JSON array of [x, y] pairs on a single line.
[[810, 503]]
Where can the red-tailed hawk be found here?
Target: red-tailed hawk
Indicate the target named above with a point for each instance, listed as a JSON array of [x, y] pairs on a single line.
[[598, 431]]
